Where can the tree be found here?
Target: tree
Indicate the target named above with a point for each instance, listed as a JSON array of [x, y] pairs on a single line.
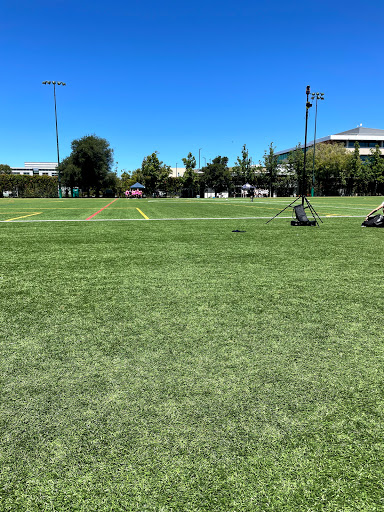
[[271, 166], [331, 161], [174, 185], [190, 179], [242, 171], [217, 175], [355, 168], [126, 180], [70, 174], [153, 174], [89, 165], [295, 164], [5, 169], [376, 165]]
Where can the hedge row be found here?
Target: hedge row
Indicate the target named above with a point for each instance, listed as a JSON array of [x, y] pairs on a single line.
[[28, 186]]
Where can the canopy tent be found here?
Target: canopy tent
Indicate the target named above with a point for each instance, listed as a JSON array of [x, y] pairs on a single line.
[[137, 185], [247, 186]]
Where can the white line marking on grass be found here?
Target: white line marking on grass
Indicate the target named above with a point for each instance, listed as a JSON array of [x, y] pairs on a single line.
[[177, 219]]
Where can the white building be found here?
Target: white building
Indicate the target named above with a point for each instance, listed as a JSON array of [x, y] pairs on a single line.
[[367, 138], [37, 169], [177, 172]]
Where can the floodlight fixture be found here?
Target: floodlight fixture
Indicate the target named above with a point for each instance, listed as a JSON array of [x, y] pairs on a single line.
[[317, 96]]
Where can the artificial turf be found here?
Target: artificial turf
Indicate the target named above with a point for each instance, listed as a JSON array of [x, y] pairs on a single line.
[[181, 366]]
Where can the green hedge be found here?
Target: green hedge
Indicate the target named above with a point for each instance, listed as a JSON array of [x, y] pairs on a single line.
[[29, 186]]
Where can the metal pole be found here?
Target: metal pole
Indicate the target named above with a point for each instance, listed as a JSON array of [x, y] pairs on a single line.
[[199, 159], [308, 105], [314, 150], [49, 82], [57, 143]]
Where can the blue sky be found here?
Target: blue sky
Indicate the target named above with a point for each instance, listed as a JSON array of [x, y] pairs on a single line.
[[174, 77]]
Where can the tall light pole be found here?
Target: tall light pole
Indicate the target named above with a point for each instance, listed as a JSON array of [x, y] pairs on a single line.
[[199, 157], [57, 133], [317, 96], [308, 105]]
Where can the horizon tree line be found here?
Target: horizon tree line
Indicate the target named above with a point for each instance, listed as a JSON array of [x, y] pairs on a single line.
[[334, 169]]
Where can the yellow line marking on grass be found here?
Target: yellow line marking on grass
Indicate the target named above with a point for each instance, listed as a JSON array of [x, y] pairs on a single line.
[[143, 214], [12, 212], [23, 217], [52, 208]]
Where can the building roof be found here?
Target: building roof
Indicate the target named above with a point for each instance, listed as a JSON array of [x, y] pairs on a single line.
[[359, 133], [360, 130]]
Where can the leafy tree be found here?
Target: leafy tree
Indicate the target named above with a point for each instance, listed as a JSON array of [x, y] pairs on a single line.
[[295, 165], [355, 167], [190, 180], [174, 185], [242, 171], [70, 174], [189, 162], [217, 175], [331, 161], [5, 169], [376, 165], [126, 180], [89, 164], [153, 173], [271, 166]]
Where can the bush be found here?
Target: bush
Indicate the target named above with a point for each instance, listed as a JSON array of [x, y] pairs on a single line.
[[29, 186]]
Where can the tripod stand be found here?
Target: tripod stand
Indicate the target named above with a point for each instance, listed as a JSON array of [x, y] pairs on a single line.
[[302, 219]]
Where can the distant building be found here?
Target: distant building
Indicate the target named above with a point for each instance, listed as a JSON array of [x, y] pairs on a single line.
[[37, 169], [177, 172], [367, 138]]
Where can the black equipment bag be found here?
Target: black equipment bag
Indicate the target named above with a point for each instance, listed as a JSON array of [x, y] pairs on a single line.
[[301, 216], [374, 222]]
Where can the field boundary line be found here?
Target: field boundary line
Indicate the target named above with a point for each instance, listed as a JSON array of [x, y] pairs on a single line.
[[97, 213], [143, 214], [178, 219], [23, 216]]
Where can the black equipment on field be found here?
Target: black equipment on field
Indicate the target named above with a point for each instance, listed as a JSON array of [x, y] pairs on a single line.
[[374, 222], [301, 216]]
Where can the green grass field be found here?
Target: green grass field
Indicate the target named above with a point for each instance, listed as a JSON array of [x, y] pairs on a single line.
[[154, 360]]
